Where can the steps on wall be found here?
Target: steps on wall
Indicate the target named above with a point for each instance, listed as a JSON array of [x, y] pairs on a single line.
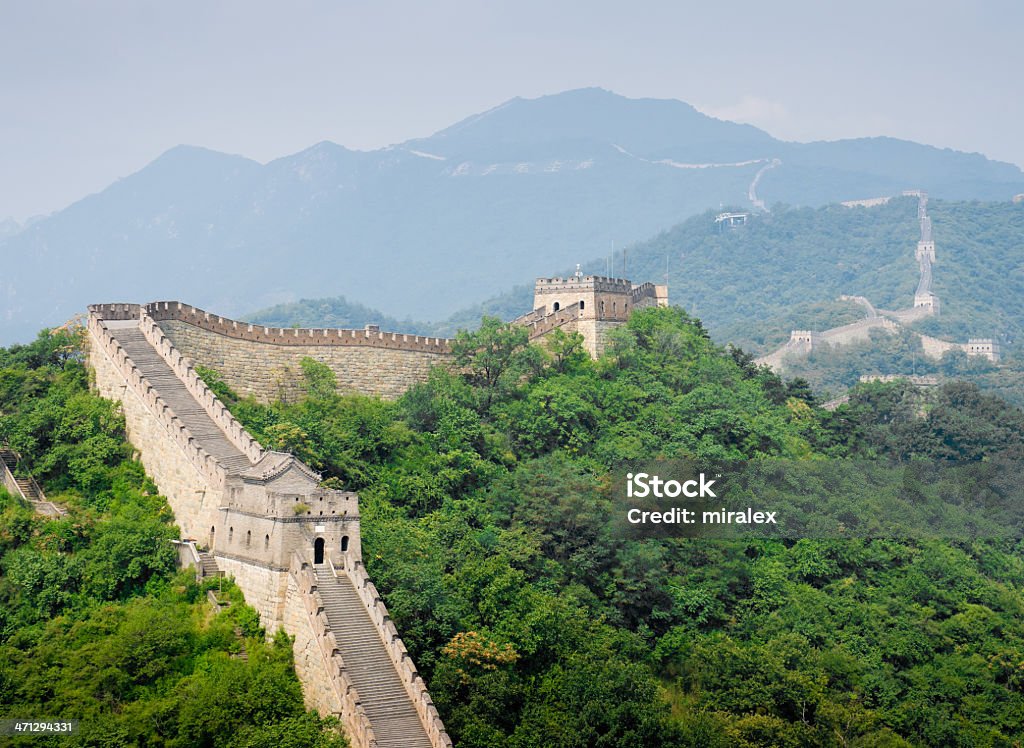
[[395, 721], [177, 396]]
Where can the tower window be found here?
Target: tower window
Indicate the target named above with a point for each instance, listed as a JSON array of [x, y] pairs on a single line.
[[557, 306], [582, 304]]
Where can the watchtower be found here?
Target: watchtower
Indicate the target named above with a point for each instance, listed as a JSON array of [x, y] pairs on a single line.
[[596, 303]]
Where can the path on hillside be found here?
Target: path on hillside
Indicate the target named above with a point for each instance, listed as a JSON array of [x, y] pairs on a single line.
[[752, 190], [27, 488], [886, 319]]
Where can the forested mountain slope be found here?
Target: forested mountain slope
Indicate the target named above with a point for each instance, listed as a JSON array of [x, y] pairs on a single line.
[[487, 498]]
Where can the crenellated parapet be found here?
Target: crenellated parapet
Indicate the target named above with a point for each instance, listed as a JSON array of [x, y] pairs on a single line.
[[164, 311], [266, 520], [591, 305]]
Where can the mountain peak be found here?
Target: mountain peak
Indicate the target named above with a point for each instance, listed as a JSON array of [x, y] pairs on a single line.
[[595, 115]]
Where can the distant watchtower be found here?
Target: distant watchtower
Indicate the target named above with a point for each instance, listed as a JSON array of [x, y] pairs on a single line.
[[596, 304]]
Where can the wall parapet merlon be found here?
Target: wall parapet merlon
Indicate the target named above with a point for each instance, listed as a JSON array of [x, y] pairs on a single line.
[[218, 412], [177, 311], [586, 282], [202, 460], [119, 312], [357, 723], [399, 655]]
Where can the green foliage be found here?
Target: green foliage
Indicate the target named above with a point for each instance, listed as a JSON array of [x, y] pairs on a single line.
[[486, 499], [94, 623]]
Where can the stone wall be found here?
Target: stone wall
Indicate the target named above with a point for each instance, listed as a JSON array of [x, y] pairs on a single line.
[[857, 331], [217, 411], [414, 685], [263, 521], [263, 586], [318, 664], [272, 371], [191, 480]]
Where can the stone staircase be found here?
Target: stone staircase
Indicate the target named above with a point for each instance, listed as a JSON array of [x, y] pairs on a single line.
[[174, 392], [27, 487], [208, 565], [9, 459], [384, 699]]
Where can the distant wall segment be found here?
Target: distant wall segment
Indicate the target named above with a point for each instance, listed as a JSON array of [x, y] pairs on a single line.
[[264, 362]]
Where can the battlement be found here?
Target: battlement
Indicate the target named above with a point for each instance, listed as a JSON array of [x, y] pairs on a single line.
[[649, 294], [585, 282], [316, 504], [107, 355], [371, 336], [542, 326]]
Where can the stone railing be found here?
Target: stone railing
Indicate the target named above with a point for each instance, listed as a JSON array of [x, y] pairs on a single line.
[[218, 412], [399, 655], [188, 554], [106, 344], [10, 483], [556, 319], [175, 310], [357, 724]]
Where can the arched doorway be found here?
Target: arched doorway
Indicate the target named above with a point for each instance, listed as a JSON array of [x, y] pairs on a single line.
[[344, 544], [318, 551], [213, 536]]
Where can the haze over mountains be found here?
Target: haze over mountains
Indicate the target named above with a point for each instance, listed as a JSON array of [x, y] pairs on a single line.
[[432, 225]]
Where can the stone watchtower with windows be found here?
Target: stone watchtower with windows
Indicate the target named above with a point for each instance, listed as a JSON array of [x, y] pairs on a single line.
[[591, 305]]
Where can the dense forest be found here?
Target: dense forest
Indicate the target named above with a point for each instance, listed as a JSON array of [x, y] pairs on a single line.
[[485, 500], [95, 622], [485, 509]]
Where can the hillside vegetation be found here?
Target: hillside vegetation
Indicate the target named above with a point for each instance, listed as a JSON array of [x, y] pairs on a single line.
[[751, 285], [485, 500], [95, 624], [786, 270]]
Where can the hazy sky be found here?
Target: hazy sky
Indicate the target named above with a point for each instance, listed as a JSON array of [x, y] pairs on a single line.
[[91, 91]]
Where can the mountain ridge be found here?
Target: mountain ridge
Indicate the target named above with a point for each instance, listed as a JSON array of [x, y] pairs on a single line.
[[433, 225]]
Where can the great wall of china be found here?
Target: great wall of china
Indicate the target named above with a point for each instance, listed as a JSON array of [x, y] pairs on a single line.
[[926, 303], [263, 517]]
